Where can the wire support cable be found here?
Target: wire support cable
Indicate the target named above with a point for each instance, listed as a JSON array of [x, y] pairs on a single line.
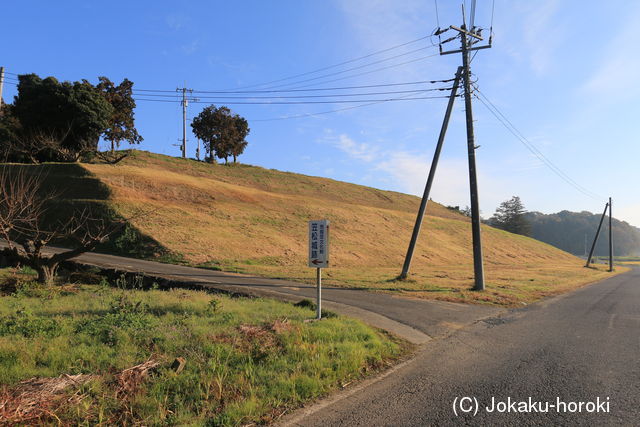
[[530, 146], [350, 61]]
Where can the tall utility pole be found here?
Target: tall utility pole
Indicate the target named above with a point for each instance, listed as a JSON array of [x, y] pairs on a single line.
[[185, 103], [1, 84], [610, 236], [432, 172], [465, 48]]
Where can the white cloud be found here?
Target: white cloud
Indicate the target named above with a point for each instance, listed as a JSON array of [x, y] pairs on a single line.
[[357, 150], [407, 171], [540, 35], [380, 24], [526, 31], [385, 22], [176, 21], [190, 47]]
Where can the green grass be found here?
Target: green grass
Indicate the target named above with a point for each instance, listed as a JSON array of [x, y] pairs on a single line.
[[247, 360]]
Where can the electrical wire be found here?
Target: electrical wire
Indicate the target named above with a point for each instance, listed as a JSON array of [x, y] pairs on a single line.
[[359, 67], [304, 90], [332, 95], [334, 65], [371, 71], [305, 115], [472, 13], [493, 7], [532, 148], [295, 102]]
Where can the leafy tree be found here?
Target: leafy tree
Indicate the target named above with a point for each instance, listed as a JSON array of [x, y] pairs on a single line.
[[121, 123], [58, 121], [9, 131], [222, 132], [510, 216]]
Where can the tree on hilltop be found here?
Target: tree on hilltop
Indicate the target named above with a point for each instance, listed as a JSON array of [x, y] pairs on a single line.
[[121, 123], [74, 115], [222, 132], [510, 216], [51, 120]]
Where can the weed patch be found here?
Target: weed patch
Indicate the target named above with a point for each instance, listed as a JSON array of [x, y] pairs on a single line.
[[242, 360]]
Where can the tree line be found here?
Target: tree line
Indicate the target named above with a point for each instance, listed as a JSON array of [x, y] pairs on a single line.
[[63, 121], [51, 120], [570, 231]]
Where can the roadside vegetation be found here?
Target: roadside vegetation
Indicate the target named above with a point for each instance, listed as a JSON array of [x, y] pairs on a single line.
[[85, 351]]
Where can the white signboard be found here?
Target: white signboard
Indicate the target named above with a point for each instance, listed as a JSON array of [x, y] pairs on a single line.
[[319, 243]]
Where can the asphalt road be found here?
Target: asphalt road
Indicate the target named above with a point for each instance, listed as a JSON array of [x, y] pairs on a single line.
[[416, 320], [578, 347]]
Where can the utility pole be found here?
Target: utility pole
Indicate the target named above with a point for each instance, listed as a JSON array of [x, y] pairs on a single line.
[[610, 236], [465, 48], [432, 172], [185, 103], [595, 239], [1, 84], [198, 150]]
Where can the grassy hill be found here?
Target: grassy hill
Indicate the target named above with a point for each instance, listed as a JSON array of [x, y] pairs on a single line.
[[253, 220]]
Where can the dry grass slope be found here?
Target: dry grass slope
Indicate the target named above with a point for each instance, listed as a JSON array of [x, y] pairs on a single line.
[[254, 220]]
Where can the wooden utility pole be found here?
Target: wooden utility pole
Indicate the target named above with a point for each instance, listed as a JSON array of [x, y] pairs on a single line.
[[432, 172], [465, 48], [610, 236], [1, 85]]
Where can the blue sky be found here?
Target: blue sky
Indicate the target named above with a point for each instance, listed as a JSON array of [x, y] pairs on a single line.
[[561, 72]]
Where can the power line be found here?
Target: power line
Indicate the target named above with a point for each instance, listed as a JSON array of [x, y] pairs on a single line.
[[296, 102], [304, 90], [332, 95], [532, 148], [359, 67], [334, 65], [305, 115], [372, 71]]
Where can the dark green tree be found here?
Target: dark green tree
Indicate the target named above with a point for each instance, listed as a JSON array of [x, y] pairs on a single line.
[[9, 131], [510, 216], [59, 121], [222, 132], [121, 123]]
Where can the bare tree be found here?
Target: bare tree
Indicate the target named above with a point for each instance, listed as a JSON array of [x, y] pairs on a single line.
[[23, 213], [35, 144]]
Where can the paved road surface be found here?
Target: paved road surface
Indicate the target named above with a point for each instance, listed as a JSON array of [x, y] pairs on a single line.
[[415, 320], [578, 347]]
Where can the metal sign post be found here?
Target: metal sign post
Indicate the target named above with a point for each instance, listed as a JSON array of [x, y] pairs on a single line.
[[319, 255]]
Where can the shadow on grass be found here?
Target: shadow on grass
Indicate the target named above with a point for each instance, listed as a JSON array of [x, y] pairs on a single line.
[[76, 189]]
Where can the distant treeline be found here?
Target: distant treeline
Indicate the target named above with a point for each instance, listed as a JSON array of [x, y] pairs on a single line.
[[567, 230]]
